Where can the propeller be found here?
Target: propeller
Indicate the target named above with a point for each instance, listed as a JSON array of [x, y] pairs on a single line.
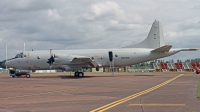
[[51, 59]]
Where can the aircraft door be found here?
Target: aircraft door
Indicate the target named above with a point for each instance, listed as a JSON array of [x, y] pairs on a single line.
[[110, 54]]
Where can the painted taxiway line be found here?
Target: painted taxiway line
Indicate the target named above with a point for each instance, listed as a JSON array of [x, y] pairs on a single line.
[[113, 104], [154, 104], [37, 94]]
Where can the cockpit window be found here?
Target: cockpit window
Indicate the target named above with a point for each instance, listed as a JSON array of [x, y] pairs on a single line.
[[20, 55]]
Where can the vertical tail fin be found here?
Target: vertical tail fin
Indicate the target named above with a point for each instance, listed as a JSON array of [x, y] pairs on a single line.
[[155, 38]]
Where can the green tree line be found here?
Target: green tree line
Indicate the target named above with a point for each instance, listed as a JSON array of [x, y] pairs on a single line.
[[2, 64]]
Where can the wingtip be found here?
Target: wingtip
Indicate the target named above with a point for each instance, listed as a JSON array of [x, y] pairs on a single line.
[[190, 49], [194, 49]]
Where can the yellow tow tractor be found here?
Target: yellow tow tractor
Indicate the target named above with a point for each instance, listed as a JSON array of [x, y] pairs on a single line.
[[19, 73]]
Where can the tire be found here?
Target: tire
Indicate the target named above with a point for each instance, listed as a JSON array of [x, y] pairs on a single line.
[[28, 75], [81, 74], [76, 74], [13, 76]]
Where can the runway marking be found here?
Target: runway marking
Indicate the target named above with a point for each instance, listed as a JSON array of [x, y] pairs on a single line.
[[113, 104], [37, 94], [169, 104]]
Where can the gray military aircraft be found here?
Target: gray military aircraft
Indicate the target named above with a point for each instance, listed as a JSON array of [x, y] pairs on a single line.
[[153, 47]]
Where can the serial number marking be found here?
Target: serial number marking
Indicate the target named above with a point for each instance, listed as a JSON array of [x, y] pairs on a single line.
[[124, 57]]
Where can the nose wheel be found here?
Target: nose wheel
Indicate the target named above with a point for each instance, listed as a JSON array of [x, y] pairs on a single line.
[[78, 74]]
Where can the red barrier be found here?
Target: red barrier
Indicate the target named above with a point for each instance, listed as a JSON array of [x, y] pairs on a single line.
[[178, 65]]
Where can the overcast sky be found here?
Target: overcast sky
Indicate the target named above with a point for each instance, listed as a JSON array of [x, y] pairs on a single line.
[[78, 24]]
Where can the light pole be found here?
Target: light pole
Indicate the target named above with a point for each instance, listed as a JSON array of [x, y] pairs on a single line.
[[24, 46], [6, 58]]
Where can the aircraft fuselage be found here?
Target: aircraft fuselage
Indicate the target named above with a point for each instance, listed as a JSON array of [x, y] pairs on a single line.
[[37, 60]]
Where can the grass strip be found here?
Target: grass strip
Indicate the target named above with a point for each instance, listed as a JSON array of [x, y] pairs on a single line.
[[198, 90]]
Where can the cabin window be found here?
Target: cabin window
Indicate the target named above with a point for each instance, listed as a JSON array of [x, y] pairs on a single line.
[[38, 57]]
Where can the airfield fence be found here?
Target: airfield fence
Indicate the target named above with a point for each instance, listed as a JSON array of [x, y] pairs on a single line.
[[176, 67]]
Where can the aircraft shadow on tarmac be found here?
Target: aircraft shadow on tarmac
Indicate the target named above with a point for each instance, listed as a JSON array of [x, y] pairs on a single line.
[[62, 77], [112, 76], [66, 77], [72, 77], [144, 75]]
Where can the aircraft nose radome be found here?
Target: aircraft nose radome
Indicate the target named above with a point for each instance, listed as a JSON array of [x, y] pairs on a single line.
[[8, 63]]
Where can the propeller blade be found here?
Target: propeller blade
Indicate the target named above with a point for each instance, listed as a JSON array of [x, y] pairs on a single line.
[[51, 59]]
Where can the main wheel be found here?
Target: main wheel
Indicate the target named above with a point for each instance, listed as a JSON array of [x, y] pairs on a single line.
[[81, 74], [76, 74]]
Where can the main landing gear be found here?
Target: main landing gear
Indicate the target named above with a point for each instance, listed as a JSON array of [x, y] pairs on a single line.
[[78, 74]]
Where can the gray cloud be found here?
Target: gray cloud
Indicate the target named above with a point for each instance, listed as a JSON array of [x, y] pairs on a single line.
[[70, 24]]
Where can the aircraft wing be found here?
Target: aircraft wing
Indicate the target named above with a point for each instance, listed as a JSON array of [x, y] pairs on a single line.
[[162, 49], [63, 59], [84, 60]]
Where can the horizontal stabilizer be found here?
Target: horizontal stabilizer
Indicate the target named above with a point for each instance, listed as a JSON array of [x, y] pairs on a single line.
[[162, 49], [189, 49], [194, 49]]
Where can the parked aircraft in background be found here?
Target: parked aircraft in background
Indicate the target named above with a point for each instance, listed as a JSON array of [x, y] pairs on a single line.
[[153, 47]]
